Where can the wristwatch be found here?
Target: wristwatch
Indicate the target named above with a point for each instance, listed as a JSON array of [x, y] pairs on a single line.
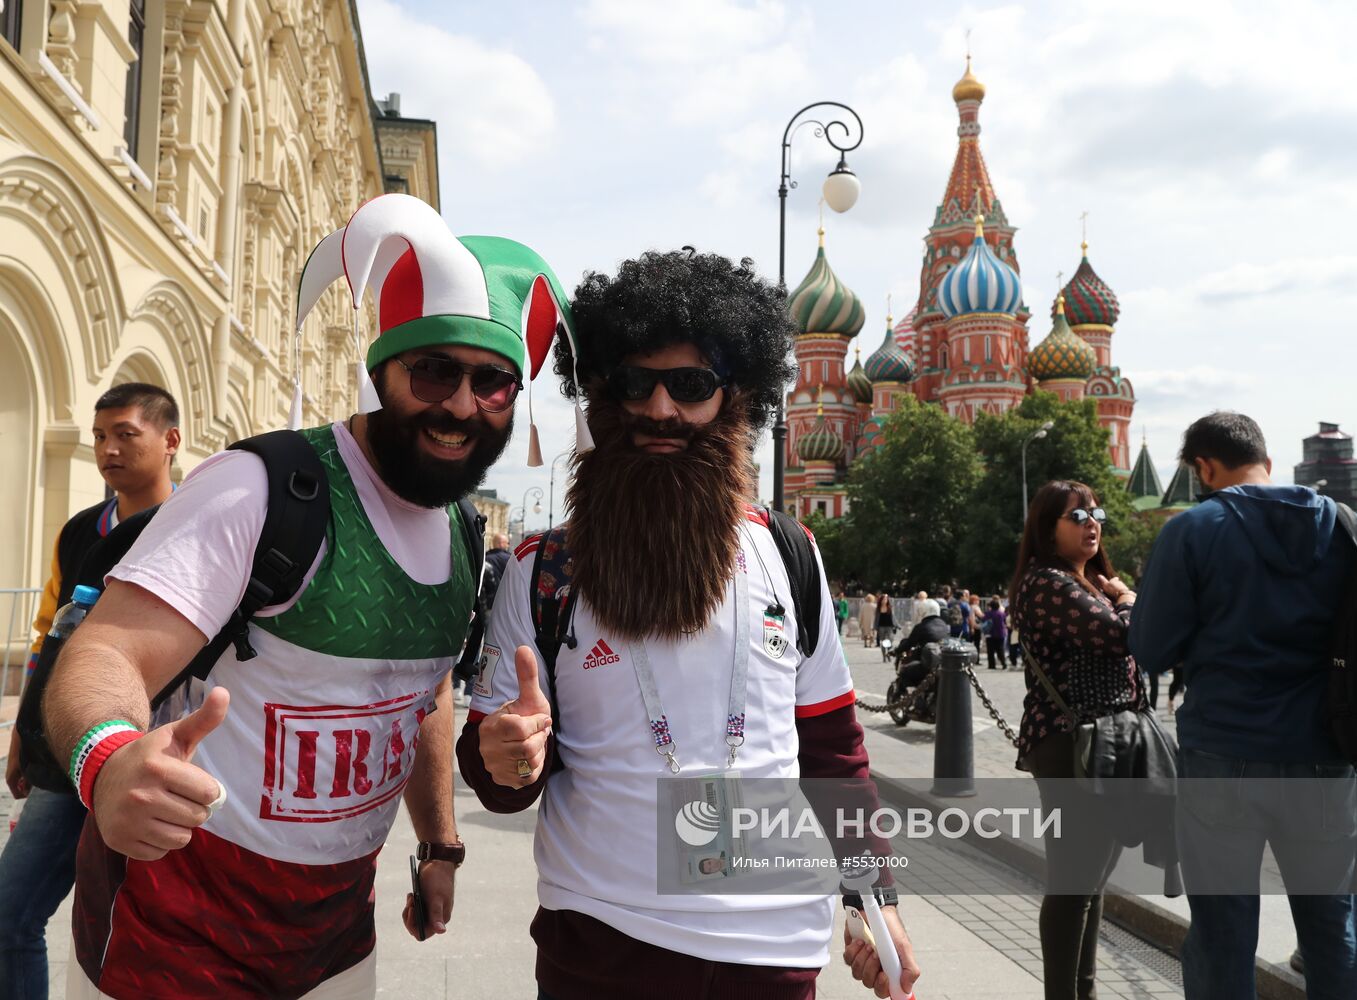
[[454, 852]]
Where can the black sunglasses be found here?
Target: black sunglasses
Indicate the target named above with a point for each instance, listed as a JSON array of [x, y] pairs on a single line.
[[684, 385], [1080, 516], [435, 379]]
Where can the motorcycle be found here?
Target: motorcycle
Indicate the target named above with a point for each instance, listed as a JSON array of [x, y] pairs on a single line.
[[914, 699]]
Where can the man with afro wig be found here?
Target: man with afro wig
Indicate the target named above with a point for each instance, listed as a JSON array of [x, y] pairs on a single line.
[[680, 655]]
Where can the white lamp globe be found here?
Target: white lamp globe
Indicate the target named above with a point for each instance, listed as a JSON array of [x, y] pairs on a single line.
[[842, 188]]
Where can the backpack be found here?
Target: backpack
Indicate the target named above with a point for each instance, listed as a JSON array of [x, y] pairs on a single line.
[[294, 526], [553, 597], [1342, 701], [952, 615]]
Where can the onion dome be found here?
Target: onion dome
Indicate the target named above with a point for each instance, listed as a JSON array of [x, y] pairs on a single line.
[[904, 333], [1063, 354], [824, 304], [859, 385], [968, 88], [980, 283], [1088, 299], [888, 363], [820, 444]]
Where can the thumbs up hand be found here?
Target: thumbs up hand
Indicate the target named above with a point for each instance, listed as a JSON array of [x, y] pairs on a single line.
[[149, 797], [513, 740]]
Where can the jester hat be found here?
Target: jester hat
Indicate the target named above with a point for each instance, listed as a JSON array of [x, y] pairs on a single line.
[[433, 288]]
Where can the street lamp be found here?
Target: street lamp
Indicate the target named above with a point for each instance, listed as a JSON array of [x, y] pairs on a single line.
[[1040, 432], [841, 190], [536, 493], [551, 488]]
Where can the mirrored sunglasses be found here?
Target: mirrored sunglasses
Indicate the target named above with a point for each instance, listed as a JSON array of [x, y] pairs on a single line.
[[684, 385], [1081, 517], [432, 380]]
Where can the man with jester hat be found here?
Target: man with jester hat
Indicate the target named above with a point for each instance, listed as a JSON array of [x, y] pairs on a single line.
[[347, 705], [657, 633]]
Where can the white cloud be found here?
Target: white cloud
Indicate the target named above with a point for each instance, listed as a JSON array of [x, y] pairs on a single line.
[[491, 105]]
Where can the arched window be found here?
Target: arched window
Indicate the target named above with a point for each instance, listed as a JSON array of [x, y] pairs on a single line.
[[966, 350], [989, 348], [944, 359]]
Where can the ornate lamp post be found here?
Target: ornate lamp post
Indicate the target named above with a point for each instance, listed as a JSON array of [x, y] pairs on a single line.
[[1040, 432], [536, 493], [841, 190], [551, 488]]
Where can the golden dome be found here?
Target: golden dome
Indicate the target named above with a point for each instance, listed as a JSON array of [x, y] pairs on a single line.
[[968, 88]]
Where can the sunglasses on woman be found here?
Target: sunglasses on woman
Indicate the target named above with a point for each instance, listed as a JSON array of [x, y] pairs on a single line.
[[684, 385], [1081, 517], [434, 379]]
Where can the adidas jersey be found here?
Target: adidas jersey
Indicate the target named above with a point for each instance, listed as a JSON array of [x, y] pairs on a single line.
[[595, 845]]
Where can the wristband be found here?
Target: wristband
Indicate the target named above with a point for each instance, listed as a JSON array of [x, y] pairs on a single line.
[[93, 751]]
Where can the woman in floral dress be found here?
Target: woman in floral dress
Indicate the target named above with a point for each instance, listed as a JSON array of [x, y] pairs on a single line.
[[1074, 614]]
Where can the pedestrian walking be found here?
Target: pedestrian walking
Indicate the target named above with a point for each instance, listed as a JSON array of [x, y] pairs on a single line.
[[977, 617], [885, 618], [680, 599], [1244, 590], [840, 611], [996, 634], [867, 618], [1074, 614], [136, 436]]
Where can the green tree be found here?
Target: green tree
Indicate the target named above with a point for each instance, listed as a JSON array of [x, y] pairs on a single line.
[[909, 499], [1074, 448]]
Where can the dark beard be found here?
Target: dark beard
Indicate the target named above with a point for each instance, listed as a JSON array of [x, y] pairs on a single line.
[[416, 476], [653, 538]]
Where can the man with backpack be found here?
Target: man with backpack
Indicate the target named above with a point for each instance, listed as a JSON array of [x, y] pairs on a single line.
[[233, 850], [668, 627], [1246, 590], [136, 435]]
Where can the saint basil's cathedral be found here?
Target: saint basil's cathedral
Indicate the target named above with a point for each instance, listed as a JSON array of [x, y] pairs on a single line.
[[964, 346]]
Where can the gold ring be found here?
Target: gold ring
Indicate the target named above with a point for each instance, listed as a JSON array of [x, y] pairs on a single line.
[[524, 768]]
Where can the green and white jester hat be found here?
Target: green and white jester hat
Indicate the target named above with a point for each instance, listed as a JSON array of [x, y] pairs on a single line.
[[433, 288]]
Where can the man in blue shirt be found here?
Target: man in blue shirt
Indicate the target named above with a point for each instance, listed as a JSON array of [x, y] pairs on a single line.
[[1243, 591]]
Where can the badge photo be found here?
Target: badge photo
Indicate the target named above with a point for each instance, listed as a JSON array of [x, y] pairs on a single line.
[[485, 676]]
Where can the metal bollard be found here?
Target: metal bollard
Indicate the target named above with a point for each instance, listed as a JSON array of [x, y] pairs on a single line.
[[953, 739]]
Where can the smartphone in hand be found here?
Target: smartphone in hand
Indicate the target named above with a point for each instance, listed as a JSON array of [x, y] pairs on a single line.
[[418, 904]]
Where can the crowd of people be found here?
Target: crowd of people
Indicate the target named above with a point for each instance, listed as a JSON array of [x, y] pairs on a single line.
[[335, 692]]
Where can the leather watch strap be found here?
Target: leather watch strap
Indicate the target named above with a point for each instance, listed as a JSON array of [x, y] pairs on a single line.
[[454, 852]]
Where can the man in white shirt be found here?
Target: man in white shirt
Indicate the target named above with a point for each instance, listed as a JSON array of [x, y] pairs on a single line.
[[682, 358]]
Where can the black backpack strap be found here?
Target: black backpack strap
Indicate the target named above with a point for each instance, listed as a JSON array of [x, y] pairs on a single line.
[[294, 526], [473, 534], [553, 607], [803, 574]]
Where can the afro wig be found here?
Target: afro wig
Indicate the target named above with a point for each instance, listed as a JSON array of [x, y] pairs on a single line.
[[739, 321]]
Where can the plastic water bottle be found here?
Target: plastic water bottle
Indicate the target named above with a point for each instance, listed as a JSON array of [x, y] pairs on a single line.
[[82, 599]]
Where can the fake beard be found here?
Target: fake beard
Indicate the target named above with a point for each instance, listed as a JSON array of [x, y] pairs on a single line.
[[653, 537]]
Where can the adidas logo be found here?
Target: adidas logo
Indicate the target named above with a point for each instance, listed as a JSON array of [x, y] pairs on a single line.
[[600, 656]]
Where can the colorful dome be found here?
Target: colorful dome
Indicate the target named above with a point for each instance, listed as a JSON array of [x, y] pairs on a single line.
[[859, 385], [1063, 354], [968, 88], [820, 444], [904, 334], [980, 283], [824, 304], [888, 363], [1088, 299]]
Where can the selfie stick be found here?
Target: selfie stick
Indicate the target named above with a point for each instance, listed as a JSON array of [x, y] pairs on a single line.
[[874, 929]]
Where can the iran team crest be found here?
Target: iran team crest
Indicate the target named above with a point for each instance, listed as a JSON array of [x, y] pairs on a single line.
[[774, 635]]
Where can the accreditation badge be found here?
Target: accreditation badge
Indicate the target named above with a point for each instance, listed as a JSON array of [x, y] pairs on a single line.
[[774, 635], [485, 674], [703, 807]]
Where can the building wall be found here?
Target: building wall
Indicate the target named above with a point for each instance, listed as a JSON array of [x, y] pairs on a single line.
[[254, 137]]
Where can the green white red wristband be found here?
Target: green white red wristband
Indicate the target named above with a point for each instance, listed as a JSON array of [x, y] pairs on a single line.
[[93, 751]]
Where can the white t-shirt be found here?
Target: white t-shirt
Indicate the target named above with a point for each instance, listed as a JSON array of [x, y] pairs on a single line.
[[595, 845], [196, 553]]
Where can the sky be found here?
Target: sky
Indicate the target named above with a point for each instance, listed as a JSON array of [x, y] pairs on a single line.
[[1212, 144]]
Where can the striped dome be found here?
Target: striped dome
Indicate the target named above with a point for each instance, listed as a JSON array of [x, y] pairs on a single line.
[[859, 385], [981, 283], [1088, 299], [820, 444], [888, 363], [904, 334], [1063, 354], [824, 304]]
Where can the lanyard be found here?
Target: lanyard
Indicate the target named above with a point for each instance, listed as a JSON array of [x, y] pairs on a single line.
[[739, 688]]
